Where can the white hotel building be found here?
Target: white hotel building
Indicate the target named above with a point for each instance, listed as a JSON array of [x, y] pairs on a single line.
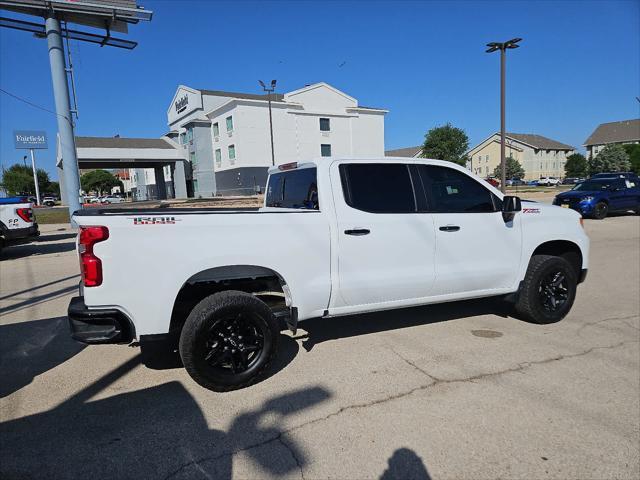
[[226, 141]]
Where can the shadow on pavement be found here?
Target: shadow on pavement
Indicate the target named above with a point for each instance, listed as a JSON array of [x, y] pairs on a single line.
[[405, 464], [56, 236], [164, 355], [158, 432], [28, 349], [323, 329], [38, 287], [19, 251], [45, 297]]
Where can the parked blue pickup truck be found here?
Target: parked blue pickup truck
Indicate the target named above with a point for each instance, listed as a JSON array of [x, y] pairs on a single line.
[[597, 197]]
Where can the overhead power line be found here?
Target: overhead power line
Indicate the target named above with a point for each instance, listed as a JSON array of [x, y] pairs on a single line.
[[24, 100]]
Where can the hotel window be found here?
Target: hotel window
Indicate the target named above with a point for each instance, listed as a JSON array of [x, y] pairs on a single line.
[[325, 125], [189, 134], [218, 157], [229, 121], [192, 157], [232, 154], [325, 150], [216, 130]]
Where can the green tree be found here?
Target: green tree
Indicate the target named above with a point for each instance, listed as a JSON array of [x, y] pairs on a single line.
[[633, 150], [612, 158], [514, 169], [446, 143], [18, 179], [54, 188], [576, 166], [99, 181]]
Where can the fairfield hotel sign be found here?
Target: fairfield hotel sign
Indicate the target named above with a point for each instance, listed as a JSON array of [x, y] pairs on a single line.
[[30, 139]]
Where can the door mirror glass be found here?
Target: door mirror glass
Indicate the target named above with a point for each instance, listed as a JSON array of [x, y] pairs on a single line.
[[510, 206]]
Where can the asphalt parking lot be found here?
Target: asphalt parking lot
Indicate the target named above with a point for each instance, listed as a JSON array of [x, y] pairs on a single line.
[[448, 391]]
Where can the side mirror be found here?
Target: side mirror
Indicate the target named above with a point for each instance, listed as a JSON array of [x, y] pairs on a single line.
[[510, 206]]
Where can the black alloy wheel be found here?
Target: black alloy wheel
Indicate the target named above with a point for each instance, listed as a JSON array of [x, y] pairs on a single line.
[[600, 211], [553, 291], [229, 340], [234, 343], [548, 290]]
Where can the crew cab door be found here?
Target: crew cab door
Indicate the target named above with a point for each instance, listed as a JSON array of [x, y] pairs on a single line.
[[385, 240], [623, 195], [475, 249]]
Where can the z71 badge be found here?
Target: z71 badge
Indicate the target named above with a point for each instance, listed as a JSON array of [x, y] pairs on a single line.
[[154, 220], [530, 210]]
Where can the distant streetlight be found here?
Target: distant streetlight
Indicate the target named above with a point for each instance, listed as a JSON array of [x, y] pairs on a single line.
[[493, 46], [270, 89]]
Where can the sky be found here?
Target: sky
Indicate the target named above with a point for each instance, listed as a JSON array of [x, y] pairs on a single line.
[[424, 61]]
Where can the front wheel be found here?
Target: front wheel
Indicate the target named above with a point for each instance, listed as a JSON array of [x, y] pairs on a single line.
[[548, 290], [228, 341], [600, 211]]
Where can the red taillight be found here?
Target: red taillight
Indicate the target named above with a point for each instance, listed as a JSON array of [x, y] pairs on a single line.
[[91, 265], [25, 214]]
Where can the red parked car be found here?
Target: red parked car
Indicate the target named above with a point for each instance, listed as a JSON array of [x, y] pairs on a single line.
[[493, 182]]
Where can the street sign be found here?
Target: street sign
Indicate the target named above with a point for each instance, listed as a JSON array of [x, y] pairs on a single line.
[[30, 139]]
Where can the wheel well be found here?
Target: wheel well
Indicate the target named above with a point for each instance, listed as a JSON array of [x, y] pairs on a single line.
[[565, 249], [262, 282]]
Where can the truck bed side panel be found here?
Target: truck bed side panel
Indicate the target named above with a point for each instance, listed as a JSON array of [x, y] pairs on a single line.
[[146, 264]]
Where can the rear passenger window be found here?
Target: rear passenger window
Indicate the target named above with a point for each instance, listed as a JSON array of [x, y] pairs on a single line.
[[293, 189], [450, 191], [378, 187]]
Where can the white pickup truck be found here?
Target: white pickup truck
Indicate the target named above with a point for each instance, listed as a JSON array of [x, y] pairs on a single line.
[[17, 224], [335, 237]]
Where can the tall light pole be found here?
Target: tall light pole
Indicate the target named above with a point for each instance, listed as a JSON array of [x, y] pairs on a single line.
[[502, 46], [270, 89]]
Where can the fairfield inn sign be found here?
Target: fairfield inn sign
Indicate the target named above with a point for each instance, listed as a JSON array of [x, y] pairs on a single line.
[[181, 103], [30, 139]]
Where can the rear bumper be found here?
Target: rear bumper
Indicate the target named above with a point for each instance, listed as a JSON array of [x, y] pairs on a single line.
[[107, 325], [13, 235]]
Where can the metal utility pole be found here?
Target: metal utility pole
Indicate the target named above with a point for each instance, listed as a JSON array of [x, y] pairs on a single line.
[[63, 111], [493, 46], [269, 91], [35, 176]]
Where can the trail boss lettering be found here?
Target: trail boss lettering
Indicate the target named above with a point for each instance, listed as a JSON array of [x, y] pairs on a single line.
[[154, 220]]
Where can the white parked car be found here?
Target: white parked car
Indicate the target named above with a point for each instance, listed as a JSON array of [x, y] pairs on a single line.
[[549, 181], [335, 237], [49, 201], [17, 224], [111, 199]]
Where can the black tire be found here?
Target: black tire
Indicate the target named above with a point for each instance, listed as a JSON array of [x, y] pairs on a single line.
[[548, 290], [600, 211], [228, 341]]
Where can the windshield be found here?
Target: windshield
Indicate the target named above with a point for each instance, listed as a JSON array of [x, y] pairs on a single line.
[[591, 185]]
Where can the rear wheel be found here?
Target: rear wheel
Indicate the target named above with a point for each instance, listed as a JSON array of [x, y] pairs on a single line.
[[600, 211], [228, 341], [548, 290]]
